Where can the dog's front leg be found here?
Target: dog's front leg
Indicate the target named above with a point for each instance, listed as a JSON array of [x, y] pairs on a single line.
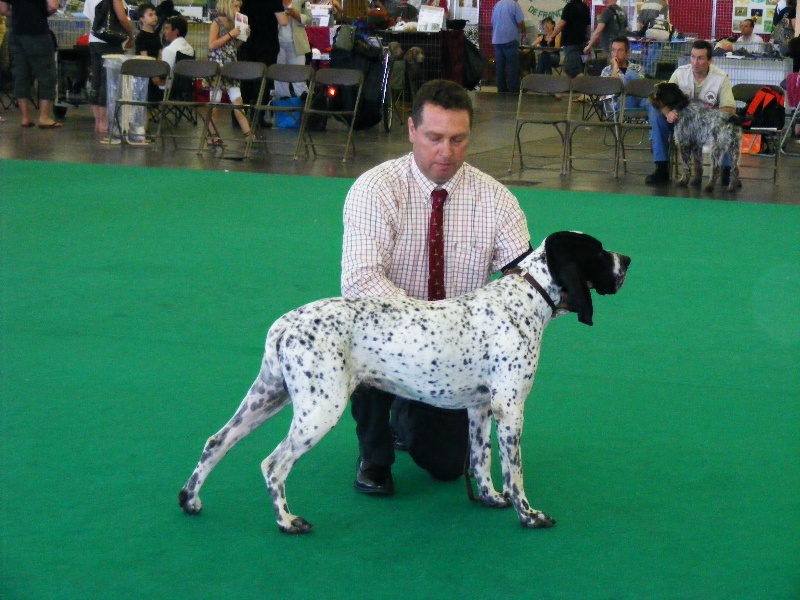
[[480, 456], [509, 431]]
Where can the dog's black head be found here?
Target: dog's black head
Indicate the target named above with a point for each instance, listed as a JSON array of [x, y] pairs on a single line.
[[669, 96], [578, 263]]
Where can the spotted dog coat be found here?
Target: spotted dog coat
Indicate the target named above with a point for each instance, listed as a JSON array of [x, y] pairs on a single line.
[[696, 127], [478, 351]]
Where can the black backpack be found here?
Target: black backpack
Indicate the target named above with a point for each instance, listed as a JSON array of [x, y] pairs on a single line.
[[766, 109]]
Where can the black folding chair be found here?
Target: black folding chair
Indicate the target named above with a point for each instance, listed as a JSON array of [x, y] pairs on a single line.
[[289, 74], [244, 72], [743, 93], [634, 120], [179, 100], [534, 90], [143, 68], [324, 79], [596, 90]]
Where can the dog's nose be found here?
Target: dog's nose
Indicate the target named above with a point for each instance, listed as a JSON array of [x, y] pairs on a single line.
[[625, 260]]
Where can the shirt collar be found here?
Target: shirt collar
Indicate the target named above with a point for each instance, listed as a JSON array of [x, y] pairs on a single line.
[[427, 186]]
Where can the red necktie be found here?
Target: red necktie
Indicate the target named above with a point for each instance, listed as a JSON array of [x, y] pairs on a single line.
[[436, 246]]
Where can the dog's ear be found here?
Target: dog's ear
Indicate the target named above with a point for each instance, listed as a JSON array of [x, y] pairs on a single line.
[[578, 294], [574, 259]]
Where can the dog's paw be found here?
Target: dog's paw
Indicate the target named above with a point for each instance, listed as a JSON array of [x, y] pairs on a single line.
[[298, 525], [536, 519], [191, 505], [735, 185], [495, 500]]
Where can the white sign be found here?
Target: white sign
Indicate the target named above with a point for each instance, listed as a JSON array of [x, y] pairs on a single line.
[[539, 9], [431, 18], [320, 14]]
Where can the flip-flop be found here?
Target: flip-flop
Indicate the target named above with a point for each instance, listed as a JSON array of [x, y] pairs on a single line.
[[53, 125], [31, 124]]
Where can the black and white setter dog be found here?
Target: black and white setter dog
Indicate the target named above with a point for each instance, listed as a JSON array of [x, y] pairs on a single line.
[[696, 127]]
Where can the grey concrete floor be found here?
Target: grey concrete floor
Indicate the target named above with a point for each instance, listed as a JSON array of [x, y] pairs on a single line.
[[490, 151]]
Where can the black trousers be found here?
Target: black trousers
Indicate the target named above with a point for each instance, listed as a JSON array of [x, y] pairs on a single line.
[[437, 438]]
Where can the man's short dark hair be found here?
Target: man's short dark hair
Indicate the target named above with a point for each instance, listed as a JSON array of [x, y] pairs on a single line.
[[144, 7], [703, 45], [752, 23], [621, 39], [179, 24], [442, 93]]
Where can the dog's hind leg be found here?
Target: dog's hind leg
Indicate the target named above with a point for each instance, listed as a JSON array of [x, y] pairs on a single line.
[[697, 167], [735, 155], [315, 414], [480, 453], [508, 411], [686, 159], [716, 168], [267, 396]]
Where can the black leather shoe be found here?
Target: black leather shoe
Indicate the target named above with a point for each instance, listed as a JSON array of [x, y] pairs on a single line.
[[373, 480], [658, 177]]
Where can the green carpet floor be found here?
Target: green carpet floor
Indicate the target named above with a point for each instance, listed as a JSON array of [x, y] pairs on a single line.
[[665, 439]]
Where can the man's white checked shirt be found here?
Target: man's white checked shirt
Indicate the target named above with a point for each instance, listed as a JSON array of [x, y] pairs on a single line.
[[386, 216]]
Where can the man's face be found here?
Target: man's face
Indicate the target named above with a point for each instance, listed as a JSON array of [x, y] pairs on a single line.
[[746, 28], [440, 142], [618, 52], [149, 18], [169, 33], [700, 62]]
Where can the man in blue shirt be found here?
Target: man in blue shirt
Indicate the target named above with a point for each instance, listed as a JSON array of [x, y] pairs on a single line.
[[508, 23]]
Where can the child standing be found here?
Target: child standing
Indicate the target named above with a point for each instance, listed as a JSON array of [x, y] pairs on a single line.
[[148, 43], [223, 46]]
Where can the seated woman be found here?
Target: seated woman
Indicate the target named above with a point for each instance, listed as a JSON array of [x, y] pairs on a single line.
[[547, 59]]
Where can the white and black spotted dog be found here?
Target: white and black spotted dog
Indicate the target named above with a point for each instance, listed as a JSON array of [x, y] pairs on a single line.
[[696, 127], [478, 351]]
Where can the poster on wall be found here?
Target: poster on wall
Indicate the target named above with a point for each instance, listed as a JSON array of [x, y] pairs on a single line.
[[761, 13]]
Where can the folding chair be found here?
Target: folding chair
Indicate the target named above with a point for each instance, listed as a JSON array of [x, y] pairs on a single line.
[[179, 95], [529, 112], [743, 93], [288, 74], [596, 90], [243, 72], [141, 68], [635, 119], [793, 104], [324, 79]]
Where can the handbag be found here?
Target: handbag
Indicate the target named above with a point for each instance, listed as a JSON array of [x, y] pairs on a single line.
[[106, 25], [288, 119], [783, 32], [345, 38]]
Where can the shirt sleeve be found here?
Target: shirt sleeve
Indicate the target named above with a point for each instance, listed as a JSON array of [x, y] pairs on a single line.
[[513, 238], [368, 242]]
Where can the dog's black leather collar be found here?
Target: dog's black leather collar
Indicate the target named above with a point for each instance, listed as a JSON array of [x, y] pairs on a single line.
[[537, 286]]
